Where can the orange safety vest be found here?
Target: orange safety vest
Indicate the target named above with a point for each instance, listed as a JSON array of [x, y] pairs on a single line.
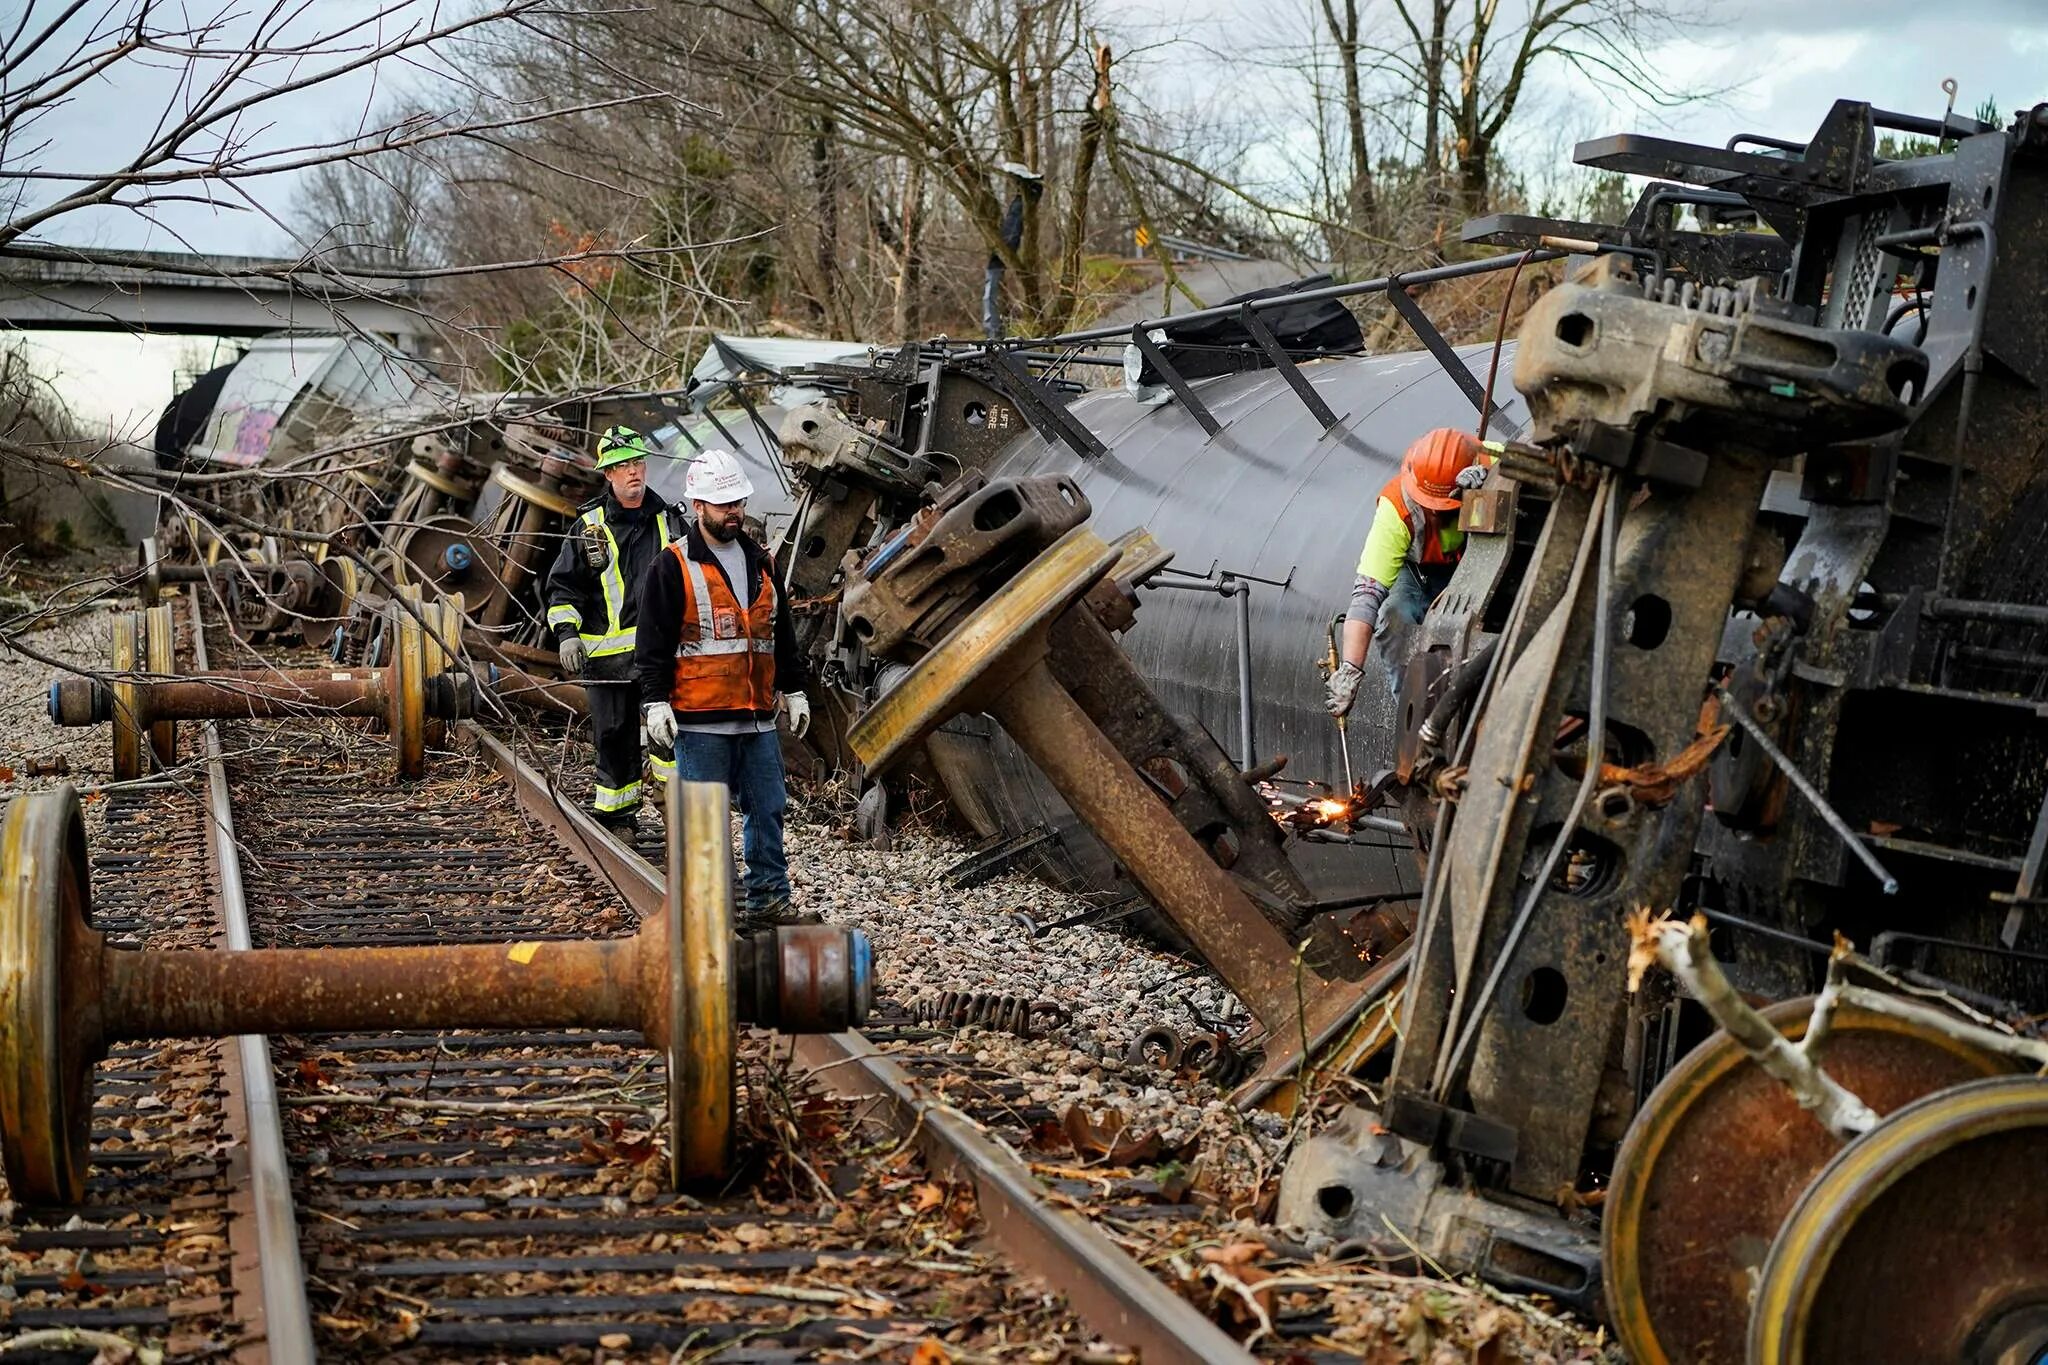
[[1425, 528], [729, 666]]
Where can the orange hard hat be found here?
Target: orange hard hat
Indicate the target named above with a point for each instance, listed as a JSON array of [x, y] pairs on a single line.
[[1429, 469]]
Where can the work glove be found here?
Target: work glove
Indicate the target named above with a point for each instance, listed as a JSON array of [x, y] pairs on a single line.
[[660, 720], [1343, 689], [1471, 476], [575, 654], [799, 713]]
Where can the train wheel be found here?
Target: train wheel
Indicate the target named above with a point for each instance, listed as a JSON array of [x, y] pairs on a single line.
[[703, 989], [950, 678], [1924, 1242], [1716, 1159], [46, 1054]]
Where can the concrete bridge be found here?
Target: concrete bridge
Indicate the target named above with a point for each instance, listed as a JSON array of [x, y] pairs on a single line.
[[48, 286]]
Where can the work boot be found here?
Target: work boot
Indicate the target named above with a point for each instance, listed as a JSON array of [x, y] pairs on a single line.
[[625, 826], [751, 918]]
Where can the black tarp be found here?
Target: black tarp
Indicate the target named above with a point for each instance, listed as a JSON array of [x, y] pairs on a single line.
[[1221, 345], [186, 415]]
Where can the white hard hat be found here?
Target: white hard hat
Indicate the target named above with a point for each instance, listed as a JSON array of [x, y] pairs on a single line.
[[716, 477]]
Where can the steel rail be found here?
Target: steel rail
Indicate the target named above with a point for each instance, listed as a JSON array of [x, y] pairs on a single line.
[[1113, 1293], [279, 1319], [1109, 1290]]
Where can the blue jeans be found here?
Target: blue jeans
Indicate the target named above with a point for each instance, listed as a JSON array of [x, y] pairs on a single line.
[[751, 768], [1401, 611], [992, 301]]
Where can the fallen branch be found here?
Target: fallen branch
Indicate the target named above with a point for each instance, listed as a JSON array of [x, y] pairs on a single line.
[[80, 1339], [1682, 950], [2029, 1050], [566, 1108], [796, 1293]]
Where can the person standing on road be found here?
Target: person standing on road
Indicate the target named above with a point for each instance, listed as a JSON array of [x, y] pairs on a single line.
[[714, 653], [1029, 185], [593, 591]]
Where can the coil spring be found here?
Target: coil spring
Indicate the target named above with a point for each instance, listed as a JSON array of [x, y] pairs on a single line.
[[1014, 1014], [1211, 1056], [1715, 300]]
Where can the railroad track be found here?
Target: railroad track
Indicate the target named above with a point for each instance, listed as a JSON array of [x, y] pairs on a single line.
[[498, 1194]]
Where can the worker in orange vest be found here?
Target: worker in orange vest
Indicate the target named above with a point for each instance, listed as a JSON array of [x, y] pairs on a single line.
[[1410, 553], [716, 657]]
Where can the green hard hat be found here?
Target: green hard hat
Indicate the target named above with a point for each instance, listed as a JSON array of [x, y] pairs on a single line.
[[620, 445]]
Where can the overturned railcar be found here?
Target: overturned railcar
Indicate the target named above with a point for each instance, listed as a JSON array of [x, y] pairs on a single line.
[[1254, 459], [1757, 633], [1265, 519]]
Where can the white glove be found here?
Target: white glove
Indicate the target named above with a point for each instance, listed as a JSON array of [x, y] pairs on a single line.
[[660, 719], [575, 654], [1472, 475], [1343, 689], [799, 713]]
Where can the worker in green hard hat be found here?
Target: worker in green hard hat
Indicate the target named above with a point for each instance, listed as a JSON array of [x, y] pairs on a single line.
[[592, 595]]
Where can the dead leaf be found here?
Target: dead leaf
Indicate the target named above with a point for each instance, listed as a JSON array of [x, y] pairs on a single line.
[[6, 774], [1884, 829], [615, 1341], [928, 1197], [1110, 1143], [1239, 1261], [75, 1283]]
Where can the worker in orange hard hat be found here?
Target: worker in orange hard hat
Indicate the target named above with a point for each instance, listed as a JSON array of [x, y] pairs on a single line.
[[1409, 555]]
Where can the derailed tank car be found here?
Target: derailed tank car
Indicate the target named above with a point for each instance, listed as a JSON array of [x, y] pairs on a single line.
[[1265, 520], [1758, 633]]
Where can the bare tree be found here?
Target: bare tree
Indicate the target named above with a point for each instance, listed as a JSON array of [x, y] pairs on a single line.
[[956, 90], [1444, 80], [1361, 204]]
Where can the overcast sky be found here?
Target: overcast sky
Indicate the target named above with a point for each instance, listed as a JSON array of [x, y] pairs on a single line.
[[1779, 64]]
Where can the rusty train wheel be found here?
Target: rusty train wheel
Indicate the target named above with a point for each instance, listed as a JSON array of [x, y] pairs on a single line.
[[1716, 1159], [948, 679], [160, 648], [408, 718], [703, 1027], [561, 504], [45, 1056], [336, 601], [1924, 1242], [442, 629], [149, 558], [125, 657]]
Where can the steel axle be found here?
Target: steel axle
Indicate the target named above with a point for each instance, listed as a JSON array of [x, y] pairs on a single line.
[[683, 981], [413, 688], [996, 662]]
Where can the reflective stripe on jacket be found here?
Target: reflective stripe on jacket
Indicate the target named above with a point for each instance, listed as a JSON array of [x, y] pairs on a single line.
[[725, 653], [614, 637]]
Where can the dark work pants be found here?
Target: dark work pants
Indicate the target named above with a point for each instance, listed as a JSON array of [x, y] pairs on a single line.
[[615, 732]]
